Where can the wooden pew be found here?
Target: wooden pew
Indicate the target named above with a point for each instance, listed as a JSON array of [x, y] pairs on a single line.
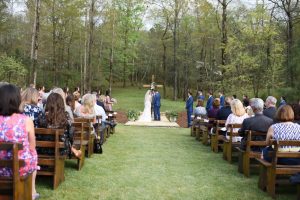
[[88, 136], [229, 144], [15, 187], [205, 127], [79, 143], [51, 165], [112, 115], [269, 170], [219, 124], [248, 155]]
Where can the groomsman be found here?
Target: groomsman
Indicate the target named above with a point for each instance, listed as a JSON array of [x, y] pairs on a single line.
[[222, 99], [189, 108], [210, 101], [156, 105]]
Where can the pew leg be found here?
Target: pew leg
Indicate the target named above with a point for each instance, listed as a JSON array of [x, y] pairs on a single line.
[[262, 182], [229, 153], [271, 178], [241, 162], [225, 146], [246, 165], [80, 162]]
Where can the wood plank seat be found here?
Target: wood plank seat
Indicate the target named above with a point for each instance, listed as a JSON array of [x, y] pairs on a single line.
[[248, 155], [79, 143], [215, 139], [88, 137], [16, 187], [270, 170], [54, 164], [230, 143]]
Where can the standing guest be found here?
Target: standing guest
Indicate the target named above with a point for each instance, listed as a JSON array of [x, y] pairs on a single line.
[[270, 104], [238, 114], [212, 113], [296, 109], [189, 108], [56, 117], [156, 105], [108, 102], [17, 128], [67, 108], [225, 111], [284, 130], [259, 122], [200, 95], [200, 110], [29, 106], [210, 101], [282, 101], [222, 99]]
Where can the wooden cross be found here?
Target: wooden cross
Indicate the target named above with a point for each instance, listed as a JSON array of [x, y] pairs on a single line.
[[153, 85]]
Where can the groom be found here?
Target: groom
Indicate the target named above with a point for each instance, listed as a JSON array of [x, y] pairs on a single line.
[[156, 105]]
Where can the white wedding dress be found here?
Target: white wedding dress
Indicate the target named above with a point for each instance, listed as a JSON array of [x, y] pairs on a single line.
[[146, 115]]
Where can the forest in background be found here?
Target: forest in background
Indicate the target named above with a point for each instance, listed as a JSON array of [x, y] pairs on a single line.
[[187, 44]]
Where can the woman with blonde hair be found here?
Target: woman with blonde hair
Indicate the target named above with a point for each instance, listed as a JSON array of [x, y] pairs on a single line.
[[29, 107], [238, 113], [86, 110]]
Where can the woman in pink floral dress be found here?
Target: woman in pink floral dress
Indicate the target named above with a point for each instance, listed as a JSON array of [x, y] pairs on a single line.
[[18, 128]]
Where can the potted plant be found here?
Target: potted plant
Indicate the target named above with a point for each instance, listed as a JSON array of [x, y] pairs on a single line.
[[172, 116], [132, 115]]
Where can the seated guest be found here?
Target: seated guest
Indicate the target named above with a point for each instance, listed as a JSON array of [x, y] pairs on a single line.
[[100, 100], [17, 128], [200, 111], [238, 114], [212, 113], [296, 109], [30, 98], [70, 101], [86, 110], [259, 122], [285, 129], [225, 111], [56, 117], [270, 110], [77, 99], [67, 108]]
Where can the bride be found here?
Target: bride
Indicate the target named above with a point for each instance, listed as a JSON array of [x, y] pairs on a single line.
[[146, 115]]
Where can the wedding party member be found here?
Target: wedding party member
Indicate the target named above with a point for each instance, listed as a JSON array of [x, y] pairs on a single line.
[[108, 103], [189, 108], [200, 110], [259, 122], [29, 107], [146, 115], [225, 111], [57, 117], [156, 105], [17, 128], [222, 99], [210, 101], [282, 101], [212, 113], [200, 95], [285, 129], [270, 104]]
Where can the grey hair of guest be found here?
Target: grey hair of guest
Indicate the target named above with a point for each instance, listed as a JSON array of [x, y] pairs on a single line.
[[257, 105], [271, 100]]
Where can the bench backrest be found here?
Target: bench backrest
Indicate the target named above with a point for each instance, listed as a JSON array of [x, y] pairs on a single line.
[[254, 143], [219, 125], [282, 154], [231, 130], [14, 163]]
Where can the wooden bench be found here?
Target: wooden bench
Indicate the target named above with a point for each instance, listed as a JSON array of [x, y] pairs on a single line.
[[112, 115], [51, 165], [205, 129], [215, 144], [248, 155], [79, 143], [229, 145], [87, 134], [269, 170], [15, 187]]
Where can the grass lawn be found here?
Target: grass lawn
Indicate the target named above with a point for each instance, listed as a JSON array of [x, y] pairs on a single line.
[[133, 98], [154, 163]]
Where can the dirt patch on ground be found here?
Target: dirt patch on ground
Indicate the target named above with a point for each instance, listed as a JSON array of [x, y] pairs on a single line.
[[121, 117], [182, 120]]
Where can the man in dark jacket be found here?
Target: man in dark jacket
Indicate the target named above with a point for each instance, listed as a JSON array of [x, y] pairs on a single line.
[[259, 122], [270, 110], [225, 111]]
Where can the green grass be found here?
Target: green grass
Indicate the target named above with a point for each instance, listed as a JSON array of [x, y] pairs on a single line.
[[154, 163], [132, 98]]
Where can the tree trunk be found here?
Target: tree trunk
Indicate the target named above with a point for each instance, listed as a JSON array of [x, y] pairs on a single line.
[[165, 68], [90, 44], [175, 91], [54, 23], [111, 60], [35, 42]]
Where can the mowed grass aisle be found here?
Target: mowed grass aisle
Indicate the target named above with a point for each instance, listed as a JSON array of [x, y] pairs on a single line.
[[154, 163]]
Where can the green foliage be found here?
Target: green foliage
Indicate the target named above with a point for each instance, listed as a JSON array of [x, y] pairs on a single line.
[[171, 114], [132, 115], [12, 71]]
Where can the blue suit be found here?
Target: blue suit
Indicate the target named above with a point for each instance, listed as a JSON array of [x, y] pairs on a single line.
[[222, 101], [209, 103], [189, 109], [156, 106]]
